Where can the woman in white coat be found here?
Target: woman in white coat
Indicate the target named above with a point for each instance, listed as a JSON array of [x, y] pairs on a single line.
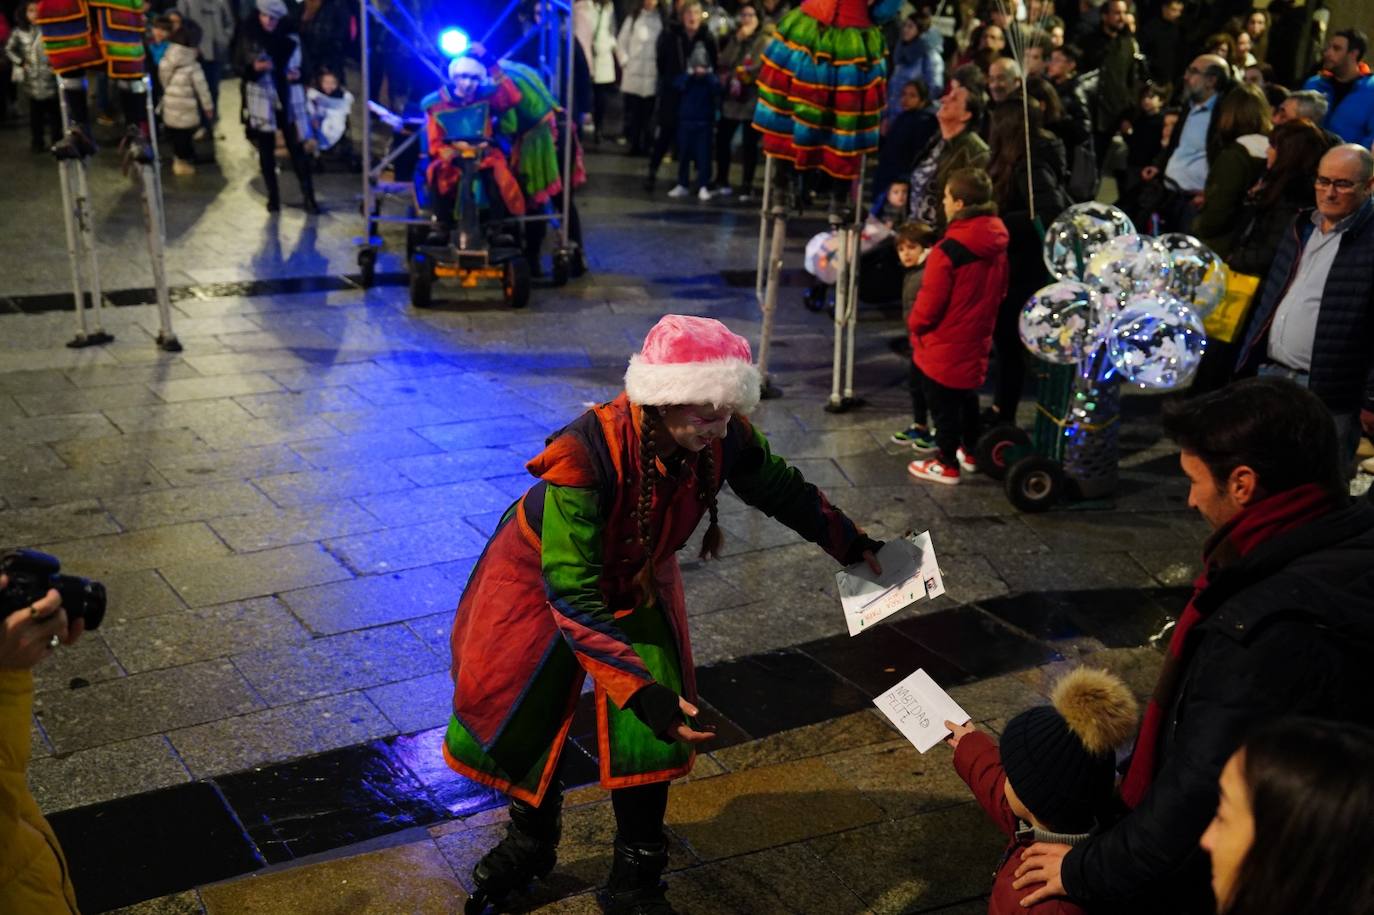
[[594, 26], [638, 83]]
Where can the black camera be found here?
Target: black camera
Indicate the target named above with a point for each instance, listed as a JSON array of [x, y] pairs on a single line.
[[32, 574]]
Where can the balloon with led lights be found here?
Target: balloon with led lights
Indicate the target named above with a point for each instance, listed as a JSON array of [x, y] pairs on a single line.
[[1198, 276], [1059, 324], [1125, 266], [1157, 342], [1080, 232]]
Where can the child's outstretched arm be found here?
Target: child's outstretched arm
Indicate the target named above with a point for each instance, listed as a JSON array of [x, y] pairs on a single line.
[[979, 764]]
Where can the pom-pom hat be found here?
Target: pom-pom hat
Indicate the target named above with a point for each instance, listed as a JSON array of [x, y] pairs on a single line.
[[274, 8], [691, 360]]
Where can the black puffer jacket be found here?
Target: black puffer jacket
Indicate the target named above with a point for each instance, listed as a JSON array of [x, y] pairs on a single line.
[[1287, 630], [1343, 350]]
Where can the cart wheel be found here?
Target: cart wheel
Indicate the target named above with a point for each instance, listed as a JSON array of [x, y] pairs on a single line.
[[1034, 484], [421, 281], [517, 282], [579, 262], [999, 448], [367, 266], [562, 268]]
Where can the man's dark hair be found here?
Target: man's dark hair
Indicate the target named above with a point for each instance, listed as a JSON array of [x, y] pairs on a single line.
[[1281, 431], [916, 232], [976, 103], [970, 77], [1072, 51], [970, 186], [920, 86], [1355, 40]]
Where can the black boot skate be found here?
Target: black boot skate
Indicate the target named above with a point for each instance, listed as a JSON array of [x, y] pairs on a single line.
[[635, 887], [528, 852]]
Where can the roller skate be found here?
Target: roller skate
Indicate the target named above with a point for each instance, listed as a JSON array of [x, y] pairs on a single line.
[[635, 887], [527, 853]]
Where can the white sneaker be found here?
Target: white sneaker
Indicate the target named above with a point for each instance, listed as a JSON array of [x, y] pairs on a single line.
[[966, 461], [725, 191], [678, 192], [704, 193]]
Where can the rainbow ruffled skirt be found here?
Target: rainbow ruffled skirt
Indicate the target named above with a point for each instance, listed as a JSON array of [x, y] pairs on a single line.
[[821, 94]]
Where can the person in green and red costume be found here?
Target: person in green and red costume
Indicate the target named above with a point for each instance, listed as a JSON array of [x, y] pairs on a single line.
[[581, 578]]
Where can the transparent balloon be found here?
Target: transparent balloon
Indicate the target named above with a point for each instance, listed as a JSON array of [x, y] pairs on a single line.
[[1080, 232], [821, 260], [1157, 342], [1198, 276], [1060, 324], [1127, 265]]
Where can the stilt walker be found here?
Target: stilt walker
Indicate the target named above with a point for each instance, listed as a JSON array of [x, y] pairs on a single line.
[[821, 96], [78, 36], [581, 578]]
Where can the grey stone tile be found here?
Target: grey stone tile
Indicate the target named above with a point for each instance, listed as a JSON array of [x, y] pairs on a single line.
[[346, 450], [707, 592], [321, 402], [484, 433], [76, 666], [373, 600], [188, 415], [57, 428], [338, 663], [174, 639], [98, 557], [86, 400], [21, 457], [1089, 532], [974, 497], [431, 503], [53, 487], [17, 382], [413, 705], [759, 626], [236, 363], [23, 526], [147, 445], [277, 734], [823, 472], [99, 376], [210, 326], [244, 463], [271, 430], [366, 417], [105, 773], [187, 903], [775, 881], [434, 631], [310, 486], [459, 466], [1073, 572], [363, 374], [407, 547], [274, 527], [217, 581], [149, 703], [134, 595], [757, 531], [1171, 568], [186, 503]]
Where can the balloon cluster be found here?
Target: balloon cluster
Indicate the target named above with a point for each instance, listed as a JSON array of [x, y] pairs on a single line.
[[1144, 298]]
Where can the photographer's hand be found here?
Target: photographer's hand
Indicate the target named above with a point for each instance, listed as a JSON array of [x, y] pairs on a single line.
[[27, 633]]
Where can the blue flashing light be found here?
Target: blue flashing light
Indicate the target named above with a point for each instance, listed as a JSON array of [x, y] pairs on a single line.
[[454, 42]]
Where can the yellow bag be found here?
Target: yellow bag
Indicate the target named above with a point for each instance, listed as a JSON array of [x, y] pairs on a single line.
[[1225, 323]]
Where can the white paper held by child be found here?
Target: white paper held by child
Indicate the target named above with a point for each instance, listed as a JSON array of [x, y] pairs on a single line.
[[919, 708]]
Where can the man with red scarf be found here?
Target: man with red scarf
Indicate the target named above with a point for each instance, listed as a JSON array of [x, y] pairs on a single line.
[[1281, 623]]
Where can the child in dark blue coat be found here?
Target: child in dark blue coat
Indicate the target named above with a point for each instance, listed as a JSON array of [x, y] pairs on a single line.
[[698, 103]]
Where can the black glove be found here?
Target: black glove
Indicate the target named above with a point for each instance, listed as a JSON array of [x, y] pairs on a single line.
[[858, 546], [657, 706]]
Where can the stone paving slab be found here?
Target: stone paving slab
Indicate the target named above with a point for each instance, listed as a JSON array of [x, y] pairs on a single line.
[[238, 577]]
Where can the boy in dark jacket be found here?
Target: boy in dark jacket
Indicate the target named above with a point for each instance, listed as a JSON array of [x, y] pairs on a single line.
[[1051, 780], [952, 321], [698, 99]]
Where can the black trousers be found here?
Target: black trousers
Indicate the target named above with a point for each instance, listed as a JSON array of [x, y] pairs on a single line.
[[601, 98], [666, 138], [639, 810], [916, 384], [266, 142], [749, 152], [46, 112], [1011, 356], [182, 147], [639, 122], [956, 419]]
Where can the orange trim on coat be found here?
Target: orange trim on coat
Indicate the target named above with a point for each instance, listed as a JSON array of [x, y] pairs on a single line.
[[603, 752]]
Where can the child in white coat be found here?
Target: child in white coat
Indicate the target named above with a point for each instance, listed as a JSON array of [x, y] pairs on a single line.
[[185, 93]]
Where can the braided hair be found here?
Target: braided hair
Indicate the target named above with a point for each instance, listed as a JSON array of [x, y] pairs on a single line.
[[648, 475], [706, 489]]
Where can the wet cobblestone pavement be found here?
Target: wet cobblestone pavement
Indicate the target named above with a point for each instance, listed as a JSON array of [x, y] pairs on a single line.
[[286, 512]]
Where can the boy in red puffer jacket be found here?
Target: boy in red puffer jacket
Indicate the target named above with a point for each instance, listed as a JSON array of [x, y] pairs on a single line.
[[952, 321]]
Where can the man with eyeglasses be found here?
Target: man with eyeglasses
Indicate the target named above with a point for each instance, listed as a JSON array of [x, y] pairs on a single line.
[[1315, 319], [1346, 82], [1184, 162]]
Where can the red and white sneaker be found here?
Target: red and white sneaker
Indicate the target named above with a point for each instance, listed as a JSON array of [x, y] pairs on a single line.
[[931, 469], [967, 463]]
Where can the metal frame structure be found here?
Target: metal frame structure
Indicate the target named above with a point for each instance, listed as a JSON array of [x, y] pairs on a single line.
[[555, 57], [79, 219], [773, 215]]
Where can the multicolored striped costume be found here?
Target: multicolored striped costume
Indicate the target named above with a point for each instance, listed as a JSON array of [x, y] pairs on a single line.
[[78, 34], [824, 84], [442, 109], [534, 124], [552, 599]]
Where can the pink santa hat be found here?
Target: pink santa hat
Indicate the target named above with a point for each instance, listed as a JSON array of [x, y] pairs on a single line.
[[691, 360]]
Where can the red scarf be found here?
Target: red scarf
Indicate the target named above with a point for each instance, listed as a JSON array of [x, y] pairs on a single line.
[[1256, 524]]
